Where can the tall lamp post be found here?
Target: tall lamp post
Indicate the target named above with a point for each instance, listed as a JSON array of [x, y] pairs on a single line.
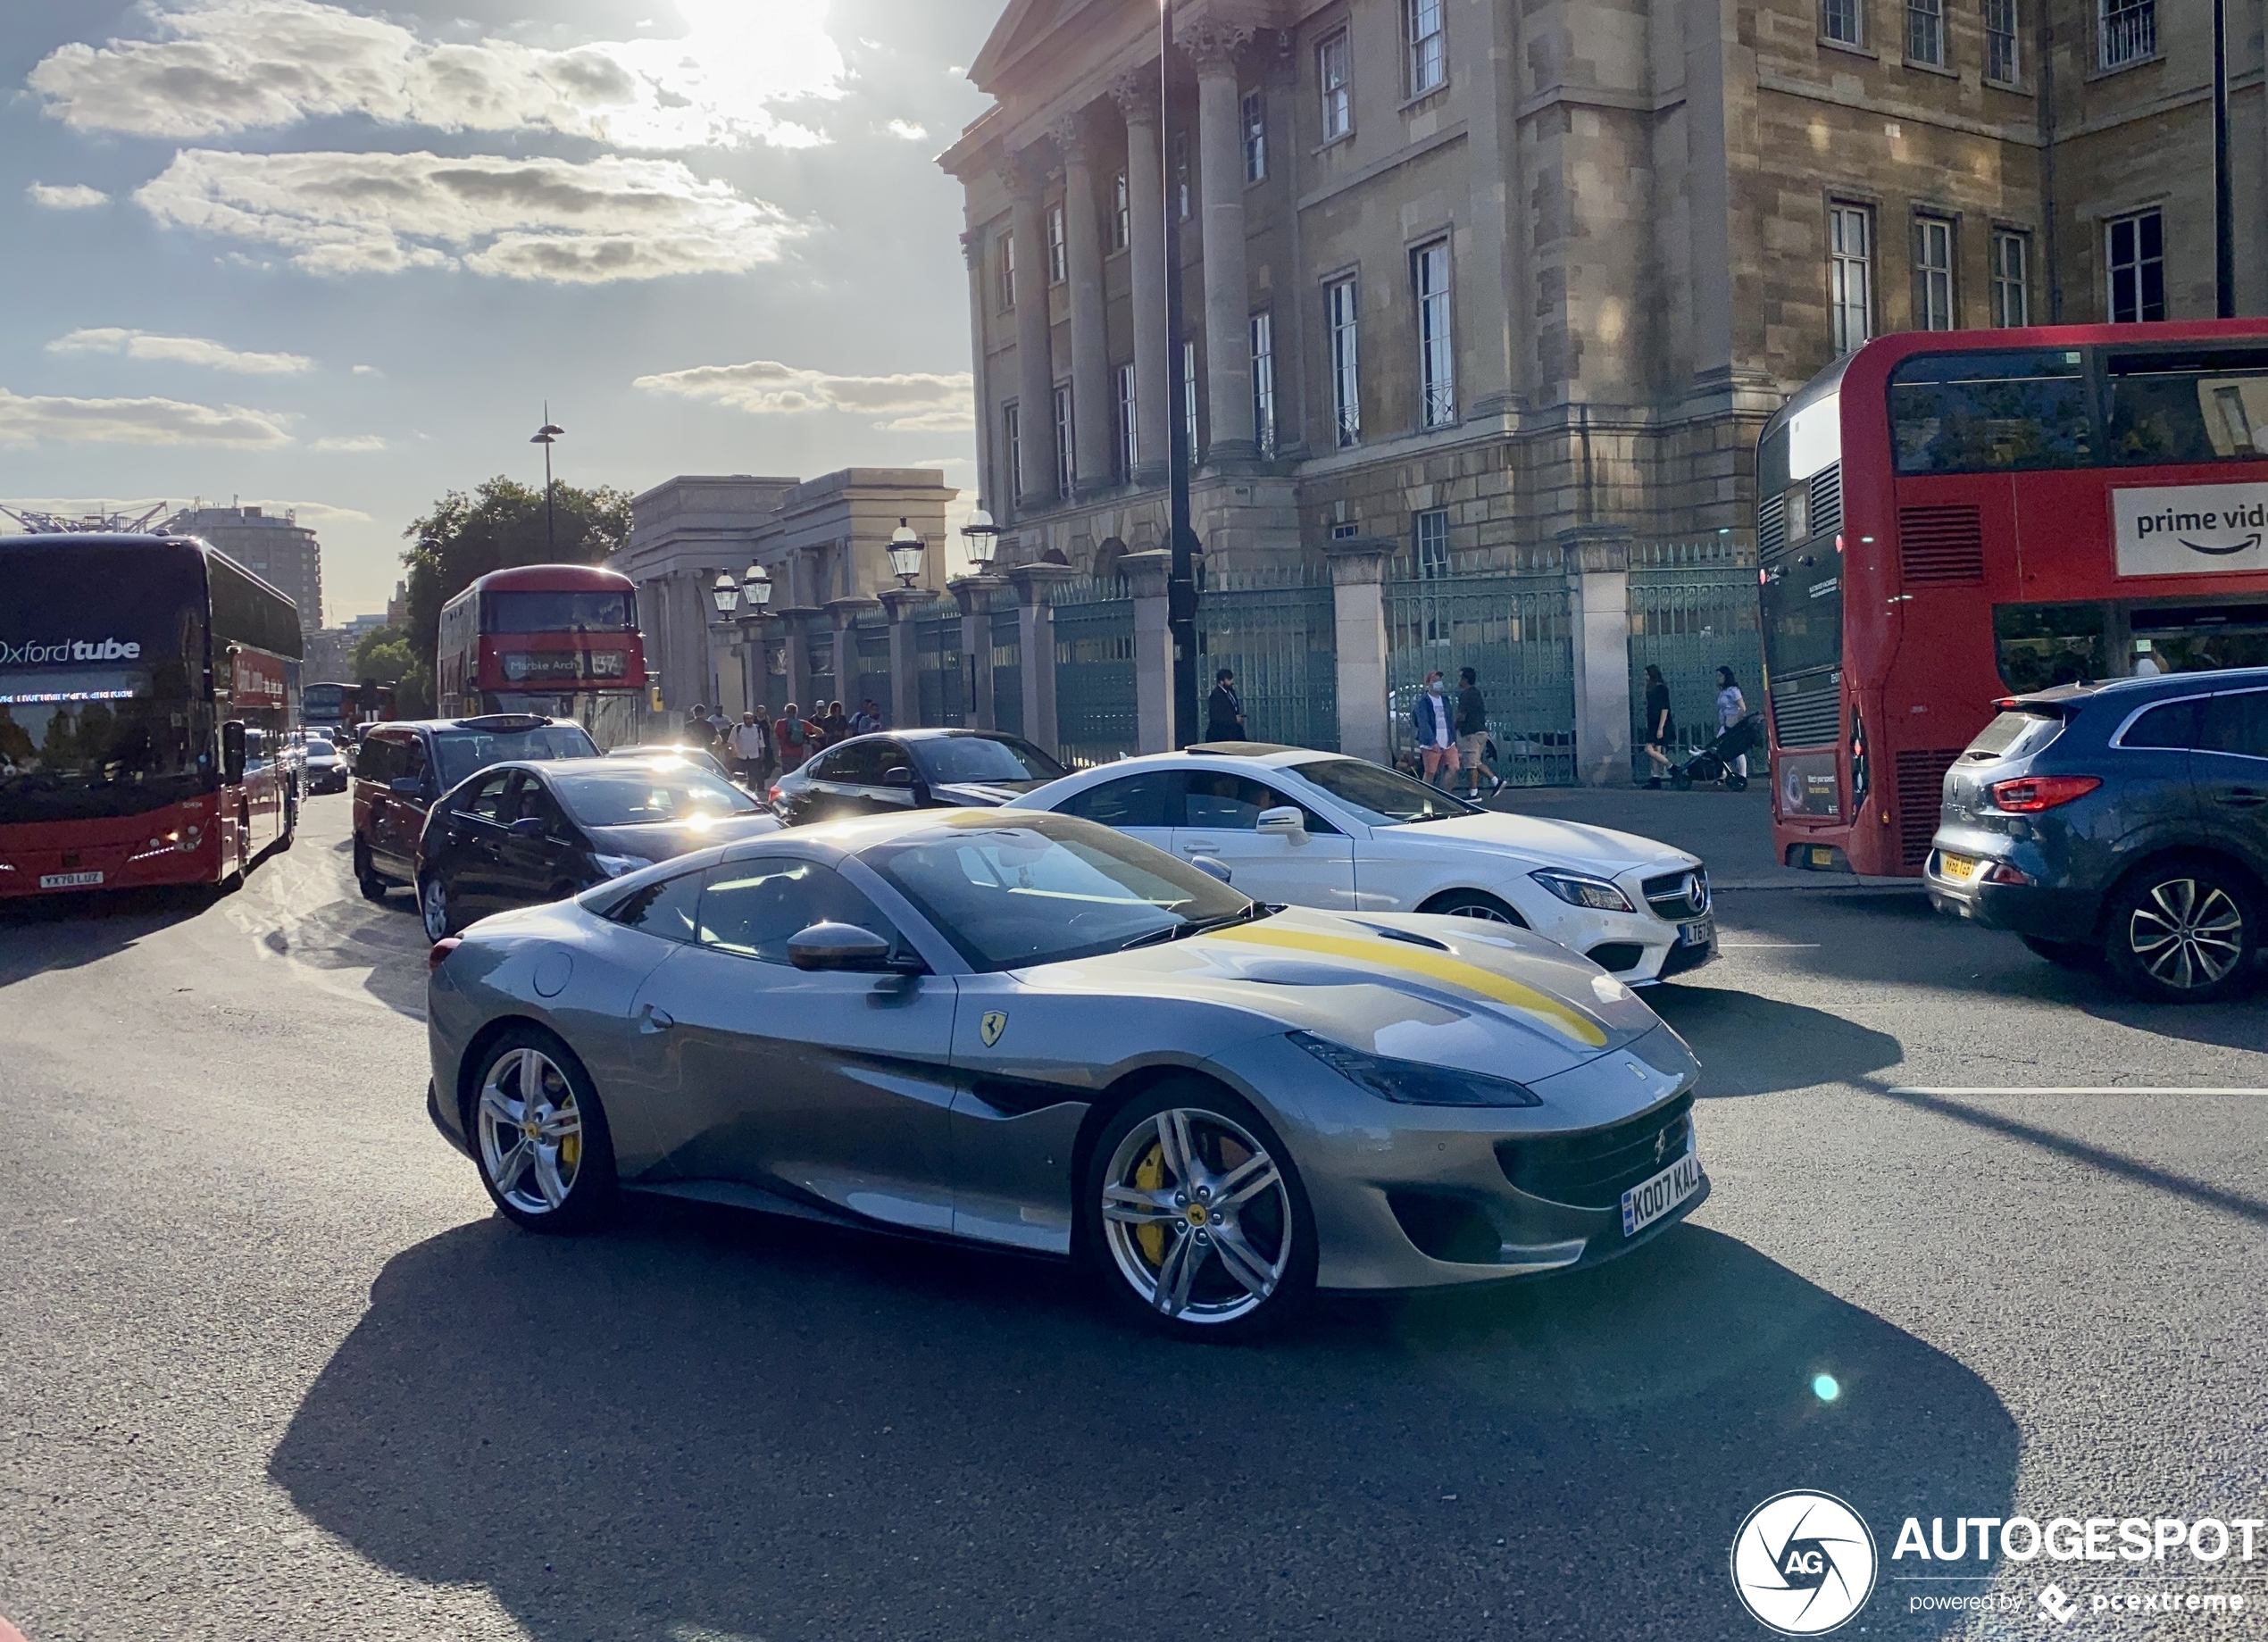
[[546, 436], [1181, 582]]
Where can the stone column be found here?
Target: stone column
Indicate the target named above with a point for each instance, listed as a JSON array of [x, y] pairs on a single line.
[[1153, 650], [1036, 629], [843, 612], [972, 254], [973, 594], [1358, 607], [1137, 99], [1212, 47], [905, 660], [1599, 597], [1090, 367], [793, 646], [1034, 358]]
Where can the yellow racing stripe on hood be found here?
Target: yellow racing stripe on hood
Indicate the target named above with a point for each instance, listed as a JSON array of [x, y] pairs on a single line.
[[1563, 1018]]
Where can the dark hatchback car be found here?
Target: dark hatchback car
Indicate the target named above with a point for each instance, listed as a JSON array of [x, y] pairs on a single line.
[[402, 767], [324, 770], [2124, 823], [911, 769], [525, 833]]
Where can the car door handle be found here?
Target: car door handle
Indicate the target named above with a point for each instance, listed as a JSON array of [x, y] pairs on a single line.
[[2244, 797], [656, 1020], [1200, 849]]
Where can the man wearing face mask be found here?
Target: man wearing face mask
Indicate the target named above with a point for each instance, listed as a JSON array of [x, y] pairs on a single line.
[[1436, 731]]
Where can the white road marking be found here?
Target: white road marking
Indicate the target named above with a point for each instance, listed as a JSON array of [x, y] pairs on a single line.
[[1768, 946], [2091, 1088]]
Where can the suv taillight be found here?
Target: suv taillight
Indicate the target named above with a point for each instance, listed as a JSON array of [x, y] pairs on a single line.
[[2028, 795]]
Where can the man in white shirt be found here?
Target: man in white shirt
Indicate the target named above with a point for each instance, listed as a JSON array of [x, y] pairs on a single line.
[[748, 745]]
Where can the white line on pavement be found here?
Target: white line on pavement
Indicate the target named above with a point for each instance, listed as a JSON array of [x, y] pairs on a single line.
[[1769, 945], [2098, 1088]]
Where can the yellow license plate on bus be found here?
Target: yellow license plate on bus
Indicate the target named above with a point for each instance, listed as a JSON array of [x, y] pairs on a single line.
[[1960, 868]]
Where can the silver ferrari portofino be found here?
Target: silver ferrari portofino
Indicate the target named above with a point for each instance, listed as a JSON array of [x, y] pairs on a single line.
[[1029, 1031]]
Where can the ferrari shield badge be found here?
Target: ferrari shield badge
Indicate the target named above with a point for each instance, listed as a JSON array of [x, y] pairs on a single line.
[[990, 1029]]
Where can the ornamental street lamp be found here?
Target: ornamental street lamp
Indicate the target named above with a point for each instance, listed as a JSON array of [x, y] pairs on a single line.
[[755, 589], [726, 594], [907, 551], [546, 436], [981, 538]]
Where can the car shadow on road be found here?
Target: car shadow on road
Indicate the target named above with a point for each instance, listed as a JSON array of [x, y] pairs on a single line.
[[700, 1425], [1749, 1045]]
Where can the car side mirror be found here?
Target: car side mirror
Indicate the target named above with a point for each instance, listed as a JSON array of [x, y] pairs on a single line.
[[899, 775], [1211, 866], [1284, 820], [232, 752], [845, 946], [528, 827], [406, 786]]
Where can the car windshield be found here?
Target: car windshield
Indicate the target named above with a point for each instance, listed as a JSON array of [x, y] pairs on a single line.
[[620, 794], [465, 752], [947, 759], [317, 747], [1380, 796], [1050, 888]]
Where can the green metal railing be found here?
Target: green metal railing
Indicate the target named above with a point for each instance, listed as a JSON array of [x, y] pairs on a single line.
[[1692, 610], [1277, 631], [871, 637], [942, 691], [1515, 633], [1006, 633], [1095, 716]]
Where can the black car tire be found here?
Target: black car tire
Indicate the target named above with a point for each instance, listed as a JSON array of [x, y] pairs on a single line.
[[591, 1190], [2064, 954], [366, 878], [433, 909], [2182, 929], [1474, 904], [1221, 1122]]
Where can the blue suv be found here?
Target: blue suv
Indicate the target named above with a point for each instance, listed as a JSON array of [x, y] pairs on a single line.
[[2123, 823]]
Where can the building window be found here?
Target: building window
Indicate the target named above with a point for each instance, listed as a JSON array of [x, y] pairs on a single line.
[[1012, 441], [1122, 214], [1181, 174], [1190, 399], [1008, 270], [1342, 309], [1932, 274], [1850, 275], [1433, 543], [1255, 136], [1428, 55], [1437, 359], [2136, 247], [1263, 382], [1842, 20], [1333, 73], [2129, 31], [1064, 473], [2002, 63], [1130, 445], [2011, 286], [1925, 32], [1058, 258]]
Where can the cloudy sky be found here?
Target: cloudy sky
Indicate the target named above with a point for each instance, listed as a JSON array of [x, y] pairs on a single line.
[[337, 257]]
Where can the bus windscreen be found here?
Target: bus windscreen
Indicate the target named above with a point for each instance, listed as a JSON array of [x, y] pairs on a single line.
[[598, 610]]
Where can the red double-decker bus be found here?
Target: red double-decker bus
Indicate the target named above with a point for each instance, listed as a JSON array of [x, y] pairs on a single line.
[[1945, 517], [148, 690], [557, 639]]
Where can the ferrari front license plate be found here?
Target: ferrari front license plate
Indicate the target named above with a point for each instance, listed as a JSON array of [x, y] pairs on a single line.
[[1649, 1200], [70, 880], [1700, 932]]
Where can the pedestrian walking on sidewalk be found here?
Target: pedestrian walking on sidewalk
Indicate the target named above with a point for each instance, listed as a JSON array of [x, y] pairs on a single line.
[[1434, 724], [1659, 728], [1472, 736], [794, 738], [749, 744], [1224, 708], [1732, 707]]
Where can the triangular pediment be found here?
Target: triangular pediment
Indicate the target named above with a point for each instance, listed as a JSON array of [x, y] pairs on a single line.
[[1025, 25]]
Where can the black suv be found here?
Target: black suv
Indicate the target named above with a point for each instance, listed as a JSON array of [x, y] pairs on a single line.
[[913, 769], [2124, 823], [402, 767]]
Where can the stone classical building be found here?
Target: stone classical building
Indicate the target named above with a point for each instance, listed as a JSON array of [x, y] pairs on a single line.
[[1475, 285], [275, 546], [823, 542]]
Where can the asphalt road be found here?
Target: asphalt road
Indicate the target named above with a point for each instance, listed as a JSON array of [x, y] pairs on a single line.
[[270, 1369]]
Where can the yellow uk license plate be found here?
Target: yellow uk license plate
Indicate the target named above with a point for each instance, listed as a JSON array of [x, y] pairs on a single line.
[[1959, 867]]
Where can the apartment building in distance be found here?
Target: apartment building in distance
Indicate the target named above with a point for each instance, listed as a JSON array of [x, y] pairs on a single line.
[[275, 546], [1510, 281]]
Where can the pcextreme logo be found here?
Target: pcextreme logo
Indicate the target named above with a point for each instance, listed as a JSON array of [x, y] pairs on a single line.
[[1803, 1563]]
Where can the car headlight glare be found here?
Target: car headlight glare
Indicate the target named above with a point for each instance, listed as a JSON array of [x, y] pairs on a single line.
[[1413, 1083], [1582, 890], [614, 866]]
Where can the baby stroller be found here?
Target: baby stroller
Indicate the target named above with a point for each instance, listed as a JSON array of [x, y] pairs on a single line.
[[1714, 762]]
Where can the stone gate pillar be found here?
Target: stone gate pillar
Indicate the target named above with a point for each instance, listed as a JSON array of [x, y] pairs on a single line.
[[1598, 599], [905, 659], [1358, 606], [1146, 573], [1035, 630], [973, 594]]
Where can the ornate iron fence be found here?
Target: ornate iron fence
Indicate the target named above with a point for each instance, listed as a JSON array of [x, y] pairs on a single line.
[[937, 652], [1277, 631], [1515, 633], [871, 637], [1692, 610], [1006, 632], [1095, 713], [818, 666]]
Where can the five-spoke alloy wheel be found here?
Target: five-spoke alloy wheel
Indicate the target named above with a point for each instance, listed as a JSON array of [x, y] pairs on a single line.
[[539, 1135], [1198, 1214]]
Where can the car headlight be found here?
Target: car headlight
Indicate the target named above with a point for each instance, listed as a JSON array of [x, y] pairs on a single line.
[[614, 866], [1582, 890], [1413, 1083]]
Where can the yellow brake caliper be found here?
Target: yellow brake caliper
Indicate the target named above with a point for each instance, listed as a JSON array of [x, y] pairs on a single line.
[[1149, 1174], [571, 1149]]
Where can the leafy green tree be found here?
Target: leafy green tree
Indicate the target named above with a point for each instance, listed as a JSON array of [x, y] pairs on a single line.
[[500, 525], [383, 655]]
